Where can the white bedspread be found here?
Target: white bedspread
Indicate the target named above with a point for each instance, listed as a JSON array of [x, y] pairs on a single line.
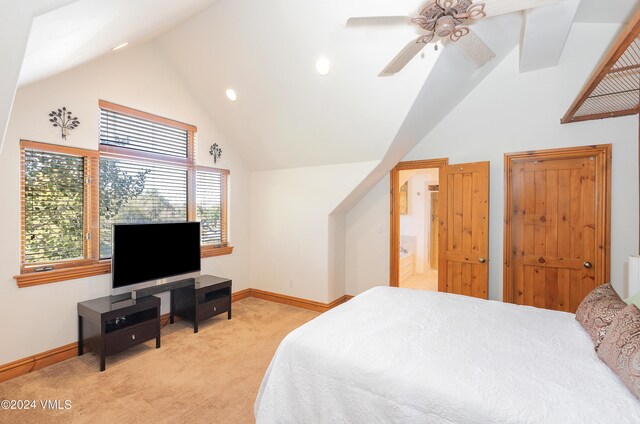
[[405, 356]]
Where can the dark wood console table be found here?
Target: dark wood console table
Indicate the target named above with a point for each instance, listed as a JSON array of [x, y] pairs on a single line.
[[111, 324], [209, 296]]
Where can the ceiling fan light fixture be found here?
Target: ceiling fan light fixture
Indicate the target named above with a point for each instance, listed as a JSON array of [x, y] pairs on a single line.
[[445, 26]]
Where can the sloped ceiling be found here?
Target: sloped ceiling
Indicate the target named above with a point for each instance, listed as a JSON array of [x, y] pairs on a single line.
[[86, 29], [606, 11], [286, 114]]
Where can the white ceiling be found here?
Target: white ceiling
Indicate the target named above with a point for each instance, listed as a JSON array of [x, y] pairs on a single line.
[[606, 11], [286, 114], [85, 29]]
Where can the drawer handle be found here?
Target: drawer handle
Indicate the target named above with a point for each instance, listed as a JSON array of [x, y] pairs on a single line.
[[133, 337], [215, 309]]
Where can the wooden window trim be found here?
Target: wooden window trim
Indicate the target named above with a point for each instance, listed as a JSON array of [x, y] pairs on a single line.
[[63, 274], [103, 104], [90, 223], [124, 153], [209, 250], [91, 265]]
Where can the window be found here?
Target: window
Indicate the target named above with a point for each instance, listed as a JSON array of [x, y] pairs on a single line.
[[55, 203], [211, 200], [143, 172], [137, 192]]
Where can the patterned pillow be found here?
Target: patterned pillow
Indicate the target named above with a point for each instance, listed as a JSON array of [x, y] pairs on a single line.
[[597, 310], [620, 349]]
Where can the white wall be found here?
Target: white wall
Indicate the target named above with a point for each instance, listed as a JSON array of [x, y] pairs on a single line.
[[290, 228], [510, 112], [367, 240], [44, 317]]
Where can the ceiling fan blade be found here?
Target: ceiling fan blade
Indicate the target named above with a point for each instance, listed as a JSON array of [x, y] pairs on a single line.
[[378, 21], [502, 7], [402, 58], [474, 49]]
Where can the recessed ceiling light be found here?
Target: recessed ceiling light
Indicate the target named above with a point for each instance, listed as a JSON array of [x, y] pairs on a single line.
[[120, 46], [323, 66], [231, 94]]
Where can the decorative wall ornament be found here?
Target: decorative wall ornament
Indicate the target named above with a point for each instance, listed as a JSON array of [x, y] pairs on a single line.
[[215, 151], [63, 119]]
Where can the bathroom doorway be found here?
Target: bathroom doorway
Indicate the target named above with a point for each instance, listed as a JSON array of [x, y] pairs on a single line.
[[414, 223]]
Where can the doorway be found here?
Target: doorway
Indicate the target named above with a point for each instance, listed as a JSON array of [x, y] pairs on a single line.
[[557, 225], [414, 224], [455, 221], [418, 234]]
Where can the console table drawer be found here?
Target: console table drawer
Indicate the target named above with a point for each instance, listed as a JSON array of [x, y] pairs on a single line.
[[214, 307], [120, 340]]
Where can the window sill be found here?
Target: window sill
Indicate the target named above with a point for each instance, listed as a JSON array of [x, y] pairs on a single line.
[[56, 275], [73, 273], [210, 251]]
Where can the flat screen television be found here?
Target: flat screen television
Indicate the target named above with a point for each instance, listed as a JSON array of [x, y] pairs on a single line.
[[146, 252]]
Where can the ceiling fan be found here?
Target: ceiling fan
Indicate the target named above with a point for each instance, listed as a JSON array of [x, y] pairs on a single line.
[[449, 19]]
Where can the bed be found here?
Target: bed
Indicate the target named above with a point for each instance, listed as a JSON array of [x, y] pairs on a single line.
[[394, 355]]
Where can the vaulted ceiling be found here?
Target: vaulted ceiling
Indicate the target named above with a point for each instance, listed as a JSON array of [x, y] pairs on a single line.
[[85, 29], [286, 114]]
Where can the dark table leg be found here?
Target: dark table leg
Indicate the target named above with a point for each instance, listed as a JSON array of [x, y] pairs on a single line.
[[171, 306], [229, 313], [103, 347], [80, 339], [158, 319]]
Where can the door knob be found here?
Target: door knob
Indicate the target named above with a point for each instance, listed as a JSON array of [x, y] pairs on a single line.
[[587, 265], [482, 260]]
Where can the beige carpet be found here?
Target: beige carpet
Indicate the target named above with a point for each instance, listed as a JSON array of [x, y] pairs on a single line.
[[209, 377]]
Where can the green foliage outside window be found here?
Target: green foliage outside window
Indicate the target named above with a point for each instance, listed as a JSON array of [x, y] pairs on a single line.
[[54, 207]]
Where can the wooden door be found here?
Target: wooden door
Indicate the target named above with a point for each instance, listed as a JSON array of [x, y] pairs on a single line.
[[556, 226], [464, 229], [433, 231]]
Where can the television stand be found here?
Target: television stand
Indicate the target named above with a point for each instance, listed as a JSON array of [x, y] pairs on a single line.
[[111, 324], [209, 296], [160, 288]]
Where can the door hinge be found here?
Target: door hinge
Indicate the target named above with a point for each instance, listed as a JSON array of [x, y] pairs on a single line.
[[89, 180], [88, 236]]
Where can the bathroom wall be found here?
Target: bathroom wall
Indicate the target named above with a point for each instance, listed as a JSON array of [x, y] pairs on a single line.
[[414, 226]]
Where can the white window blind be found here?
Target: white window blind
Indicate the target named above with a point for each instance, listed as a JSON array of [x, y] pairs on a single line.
[[131, 132], [210, 206], [53, 207], [138, 192]]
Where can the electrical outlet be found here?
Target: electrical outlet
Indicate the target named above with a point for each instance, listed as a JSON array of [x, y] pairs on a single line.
[[290, 283]]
